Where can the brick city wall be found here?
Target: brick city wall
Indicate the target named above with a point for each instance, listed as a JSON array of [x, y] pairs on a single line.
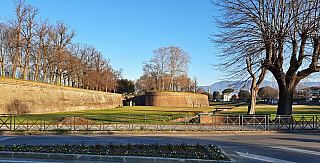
[[40, 98], [178, 99]]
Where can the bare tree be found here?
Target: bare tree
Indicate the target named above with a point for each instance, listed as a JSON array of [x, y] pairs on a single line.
[[288, 32], [156, 67], [47, 49], [16, 25], [8, 47], [183, 82], [41, 33], [177, 62], [28, 33], [172, 61], [2, 47], [61, 38], [242, 61], [142, 84], [255, 85]]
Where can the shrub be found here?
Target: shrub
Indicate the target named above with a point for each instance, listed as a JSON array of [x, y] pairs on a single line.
[[17, 107]]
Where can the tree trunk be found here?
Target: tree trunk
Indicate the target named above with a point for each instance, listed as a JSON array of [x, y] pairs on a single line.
[[2, 61], [79, 81], [285, 101], [14, 70], [29, 71], [69, 80], [58, 79], [88, 85], [38, 61], [26, 62], [252, 105], [51, 77], [2, 68], [44, 75], [2, 65], [254, 85]]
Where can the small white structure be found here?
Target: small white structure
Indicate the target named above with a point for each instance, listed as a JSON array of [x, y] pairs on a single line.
[[226, 97], [311, 93]]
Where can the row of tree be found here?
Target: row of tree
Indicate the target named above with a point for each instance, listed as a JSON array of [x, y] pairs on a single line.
[[37, 50], [264, 93], [167, 70]]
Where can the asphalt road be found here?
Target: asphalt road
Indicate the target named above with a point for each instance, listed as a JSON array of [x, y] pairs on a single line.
[[257, 147]]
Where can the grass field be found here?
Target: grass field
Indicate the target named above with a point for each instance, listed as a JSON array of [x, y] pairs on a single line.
[[156, 114], [236, 109], [272, 109], [165, 114], [124, 114], [142, 110]]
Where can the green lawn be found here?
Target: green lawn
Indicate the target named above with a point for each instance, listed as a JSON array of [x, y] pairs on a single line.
[[143, 110], [272, 109], [156, 114], [124, 114]]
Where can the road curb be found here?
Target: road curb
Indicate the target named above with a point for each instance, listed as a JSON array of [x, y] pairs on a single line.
[[132, 132], [225, 153], [103, 158]]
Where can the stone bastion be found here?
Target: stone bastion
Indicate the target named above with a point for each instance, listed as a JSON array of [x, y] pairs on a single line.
[[178, 99], [38, 98]]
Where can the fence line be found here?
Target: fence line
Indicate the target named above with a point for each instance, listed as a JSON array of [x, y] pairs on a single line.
[[187, 122]]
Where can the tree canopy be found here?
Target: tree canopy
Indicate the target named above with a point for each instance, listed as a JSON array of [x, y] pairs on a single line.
[[244, 95], [167, 70], [228, 91], [210, 97], [216, 96], [266, 93], [125, 86]]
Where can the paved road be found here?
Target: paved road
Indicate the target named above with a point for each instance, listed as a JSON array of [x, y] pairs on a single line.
[[265, 147]]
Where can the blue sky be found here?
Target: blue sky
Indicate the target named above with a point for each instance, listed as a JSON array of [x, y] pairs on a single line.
[[127, 31]]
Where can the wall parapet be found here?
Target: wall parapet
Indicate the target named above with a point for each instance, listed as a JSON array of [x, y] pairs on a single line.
[[178, 99]]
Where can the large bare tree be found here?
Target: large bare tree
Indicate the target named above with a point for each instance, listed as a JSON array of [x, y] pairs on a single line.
[[41, 33], [16, 26], [288, 31], [61, 37], [28, 33], [167, 63], [177, 63], [156, 67]]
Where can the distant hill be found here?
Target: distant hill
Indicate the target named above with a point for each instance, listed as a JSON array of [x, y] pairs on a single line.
[[222, 85]]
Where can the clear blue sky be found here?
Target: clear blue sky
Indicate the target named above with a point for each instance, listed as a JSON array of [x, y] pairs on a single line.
[[127, 31]]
